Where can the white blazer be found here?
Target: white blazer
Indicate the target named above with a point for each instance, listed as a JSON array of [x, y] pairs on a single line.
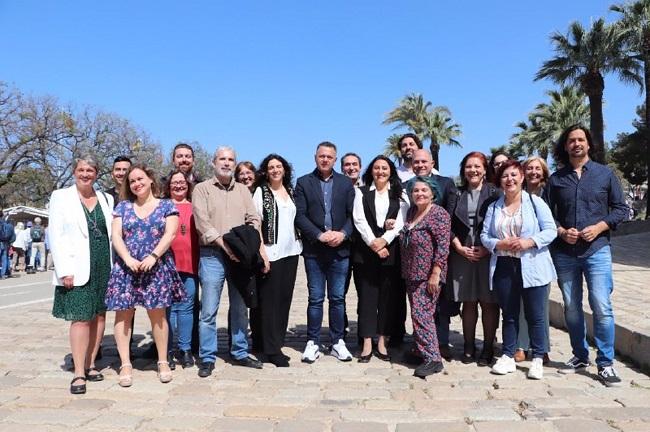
[[68, 234]]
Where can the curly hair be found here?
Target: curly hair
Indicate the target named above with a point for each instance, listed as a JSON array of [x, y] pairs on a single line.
[[261, 175], [393, 179]]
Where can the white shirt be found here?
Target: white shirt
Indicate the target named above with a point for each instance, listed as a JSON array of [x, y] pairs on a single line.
[[286, 244], [405, 174], [381, 209]]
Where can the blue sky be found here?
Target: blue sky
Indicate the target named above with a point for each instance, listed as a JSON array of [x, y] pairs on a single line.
[[282, 76]]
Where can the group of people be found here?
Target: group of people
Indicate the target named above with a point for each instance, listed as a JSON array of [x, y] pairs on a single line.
[[495, 242], [24, 247]]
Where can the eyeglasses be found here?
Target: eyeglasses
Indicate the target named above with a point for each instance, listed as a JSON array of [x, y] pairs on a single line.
[[178, 183]]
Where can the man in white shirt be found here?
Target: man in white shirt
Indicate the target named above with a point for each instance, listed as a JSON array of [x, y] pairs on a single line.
[[408, 144]]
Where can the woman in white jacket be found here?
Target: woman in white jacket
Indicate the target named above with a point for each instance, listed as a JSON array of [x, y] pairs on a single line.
[[80, 242]]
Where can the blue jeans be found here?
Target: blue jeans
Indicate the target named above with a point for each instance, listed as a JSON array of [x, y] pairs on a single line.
[[508, 283], [523, 341], [4, 258], [321, 272], [181, 315], [212, 273], [597, 270]]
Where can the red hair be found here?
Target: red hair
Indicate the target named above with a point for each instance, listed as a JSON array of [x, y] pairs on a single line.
[[474, 154]]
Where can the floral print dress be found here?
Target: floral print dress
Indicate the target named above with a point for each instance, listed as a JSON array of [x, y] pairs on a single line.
[[160, 286]]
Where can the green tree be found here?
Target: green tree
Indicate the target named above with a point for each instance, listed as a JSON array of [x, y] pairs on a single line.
[[635, 20], [391, 148], [582, 58], [430, 123], [547, 121]]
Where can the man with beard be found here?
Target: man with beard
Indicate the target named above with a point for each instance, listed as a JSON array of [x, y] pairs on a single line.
[[183, 160], [587, 202], [446, 198], [121, 165], [220, 204], [408, 144]]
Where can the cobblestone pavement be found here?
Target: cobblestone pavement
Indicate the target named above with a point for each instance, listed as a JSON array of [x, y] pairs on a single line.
[[326, 396]]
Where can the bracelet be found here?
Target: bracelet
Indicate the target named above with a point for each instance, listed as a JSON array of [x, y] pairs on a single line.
[[156, 257]]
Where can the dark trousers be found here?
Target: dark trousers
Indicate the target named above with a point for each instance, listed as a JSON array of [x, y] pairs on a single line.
[[375, 284], [275, 295], [398, 311], [508, 283]]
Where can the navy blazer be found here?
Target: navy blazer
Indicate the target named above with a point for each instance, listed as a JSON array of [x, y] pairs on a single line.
[[448, 193], [310, 214]]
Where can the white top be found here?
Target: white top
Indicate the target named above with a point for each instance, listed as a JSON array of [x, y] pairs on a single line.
[[286, 244], [404, 174], [381, 209], [20, 239], [507, 226]]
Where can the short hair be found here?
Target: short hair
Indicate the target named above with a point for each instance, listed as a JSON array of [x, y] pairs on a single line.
[[326, 144], [221, 149], [416, 138], [168, 184], [87, 159], [125, 190], [476, 154], [393, 179], [559, 152], [181, 145], [243, 164], [510, 163], [428, 180], [545, 171], [348, 154], [122, 159], [261, 176]]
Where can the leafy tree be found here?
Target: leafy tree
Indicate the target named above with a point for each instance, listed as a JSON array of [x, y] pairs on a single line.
[[428, 122], [635, 20], [547, 121], [391, 149], [582, 58], [630, 153], [202, 161]]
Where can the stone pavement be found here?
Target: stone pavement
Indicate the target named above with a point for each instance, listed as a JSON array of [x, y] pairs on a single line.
[[631, 298], [326, 396]]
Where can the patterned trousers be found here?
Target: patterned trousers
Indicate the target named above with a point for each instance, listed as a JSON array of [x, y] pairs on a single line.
[[423, 308]]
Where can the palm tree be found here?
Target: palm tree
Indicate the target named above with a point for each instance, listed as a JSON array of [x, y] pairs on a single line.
[[428, 122], [391, 149], [583, 58], [546, 122], [635, 20]]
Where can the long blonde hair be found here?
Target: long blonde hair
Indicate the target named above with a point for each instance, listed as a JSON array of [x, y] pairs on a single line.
[[546, 172]]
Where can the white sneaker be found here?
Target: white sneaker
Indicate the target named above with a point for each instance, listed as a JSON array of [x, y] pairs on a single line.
[[504, 365], [341, 352], [536, 370], [311, 353]]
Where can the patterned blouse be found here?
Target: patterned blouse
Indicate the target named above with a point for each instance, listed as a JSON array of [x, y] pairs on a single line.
[[425, 245], [508, 225]]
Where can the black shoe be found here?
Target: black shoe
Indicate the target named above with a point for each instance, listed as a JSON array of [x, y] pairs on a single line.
[[185, 359], [382, 357], [78, 388], [365, 358], [608, 376], [486, 358], [445, 352], [205, 369], [279, 360], [248, 362], [94, 377], [428, 368], [469, 354], [171, 361]]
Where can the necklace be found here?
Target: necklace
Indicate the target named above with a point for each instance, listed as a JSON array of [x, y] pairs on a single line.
[[92, 222]]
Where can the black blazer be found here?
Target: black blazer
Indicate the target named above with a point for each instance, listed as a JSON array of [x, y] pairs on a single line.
[[448, 193], [244, 241], [361, 253], [310, 214], [460, 220]]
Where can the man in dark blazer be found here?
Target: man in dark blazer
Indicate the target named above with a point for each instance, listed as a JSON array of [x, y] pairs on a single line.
[[324, 201]]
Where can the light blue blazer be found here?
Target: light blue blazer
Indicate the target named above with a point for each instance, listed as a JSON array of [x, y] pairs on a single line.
[[537, 267]]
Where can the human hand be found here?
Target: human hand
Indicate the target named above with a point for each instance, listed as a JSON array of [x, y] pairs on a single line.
[[147, 263], [226, 249], [590, 233], [267, 264], [389, 224], [326, 236], [133, 264], [570, 235], [337, 239], [433, 284], [520, 244], [480, 252], [383, 253], [68, 282], [378, 244]]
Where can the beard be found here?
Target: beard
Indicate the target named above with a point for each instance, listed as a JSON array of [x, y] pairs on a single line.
[[224, 172]]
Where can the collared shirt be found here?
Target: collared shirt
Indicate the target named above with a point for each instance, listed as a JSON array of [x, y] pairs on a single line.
[[580, 202], [218, 208], [405, 174], [382, 204], [326, 186]]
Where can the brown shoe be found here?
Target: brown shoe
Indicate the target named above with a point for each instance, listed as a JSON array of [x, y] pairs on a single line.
[[520, 355], [546, 360]]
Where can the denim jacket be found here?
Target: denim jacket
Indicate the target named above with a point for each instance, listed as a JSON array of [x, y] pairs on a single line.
[[538, 224]]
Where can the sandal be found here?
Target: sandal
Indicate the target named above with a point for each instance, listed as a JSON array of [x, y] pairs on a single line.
[[78, 388], [127, 379], [164, 377], [94, 377]]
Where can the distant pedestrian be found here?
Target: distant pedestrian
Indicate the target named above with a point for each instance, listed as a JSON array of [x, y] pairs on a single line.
[[37, 235]]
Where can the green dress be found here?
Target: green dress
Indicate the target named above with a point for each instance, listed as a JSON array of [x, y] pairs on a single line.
[[83, 303]]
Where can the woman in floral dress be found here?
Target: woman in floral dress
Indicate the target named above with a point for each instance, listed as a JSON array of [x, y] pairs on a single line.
[[424, 242], [144, 273]]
